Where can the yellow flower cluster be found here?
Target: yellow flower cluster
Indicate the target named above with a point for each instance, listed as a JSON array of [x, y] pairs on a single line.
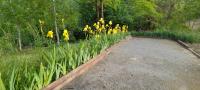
[[101, 27], [66, 35], [50, 34]]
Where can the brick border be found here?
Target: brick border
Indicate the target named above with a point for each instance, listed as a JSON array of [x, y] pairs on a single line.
[[186, 46], [63, 81]]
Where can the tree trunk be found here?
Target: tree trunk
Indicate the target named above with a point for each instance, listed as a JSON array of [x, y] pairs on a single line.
[[102, 9], [19, 38], [55, 23], [170, 10], [97, 10]]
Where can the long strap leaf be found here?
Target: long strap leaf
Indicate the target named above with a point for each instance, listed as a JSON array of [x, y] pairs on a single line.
[[2, 86]]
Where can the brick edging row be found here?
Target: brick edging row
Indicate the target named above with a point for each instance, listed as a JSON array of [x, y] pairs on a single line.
[[186, 46]]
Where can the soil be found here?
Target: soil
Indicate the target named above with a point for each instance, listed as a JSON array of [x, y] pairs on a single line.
[[143, 64]]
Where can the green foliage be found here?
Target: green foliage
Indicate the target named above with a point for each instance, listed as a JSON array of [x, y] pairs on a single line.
[[2, 86], [117, 10], [186, 36], [138, 14], [145, 15], [25, 15]]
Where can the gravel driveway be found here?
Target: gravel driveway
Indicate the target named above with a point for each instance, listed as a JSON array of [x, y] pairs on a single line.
[[143, 64]]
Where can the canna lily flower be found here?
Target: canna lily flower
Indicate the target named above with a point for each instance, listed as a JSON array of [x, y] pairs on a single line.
[[50, 34]]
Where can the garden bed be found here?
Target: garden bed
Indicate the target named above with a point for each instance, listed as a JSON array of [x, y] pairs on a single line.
[[60, 83]]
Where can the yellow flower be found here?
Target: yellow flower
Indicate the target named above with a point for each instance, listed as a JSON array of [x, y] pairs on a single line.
[[66, 35], [114, 31], [109, 31], [50, 34], [86, 28], [91, 32], [95, 24], [102, 20], [103, 27], [89, 28], [117, 25], [124, 28], [110, 22], [66, 38], [98, 23], [107, 25], [65, 32], [100, 29]]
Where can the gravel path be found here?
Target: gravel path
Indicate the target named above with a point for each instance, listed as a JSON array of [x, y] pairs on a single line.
[[143, 64]]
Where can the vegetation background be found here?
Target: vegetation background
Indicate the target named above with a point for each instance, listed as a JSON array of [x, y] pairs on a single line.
[[140, 15]]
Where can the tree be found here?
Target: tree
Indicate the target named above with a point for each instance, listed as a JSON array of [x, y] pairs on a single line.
[[55, 23], [100, 9]]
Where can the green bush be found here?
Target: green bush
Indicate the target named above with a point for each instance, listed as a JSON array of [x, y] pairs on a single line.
[[140, 15], [186, 36]]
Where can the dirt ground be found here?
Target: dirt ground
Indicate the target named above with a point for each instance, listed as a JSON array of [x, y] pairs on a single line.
[[143, 64]]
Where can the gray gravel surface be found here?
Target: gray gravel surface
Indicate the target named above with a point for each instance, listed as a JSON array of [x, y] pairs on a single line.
[[143, 64]]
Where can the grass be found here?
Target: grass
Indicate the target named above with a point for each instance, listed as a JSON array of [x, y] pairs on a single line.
[[34, 69], [186, 36]]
